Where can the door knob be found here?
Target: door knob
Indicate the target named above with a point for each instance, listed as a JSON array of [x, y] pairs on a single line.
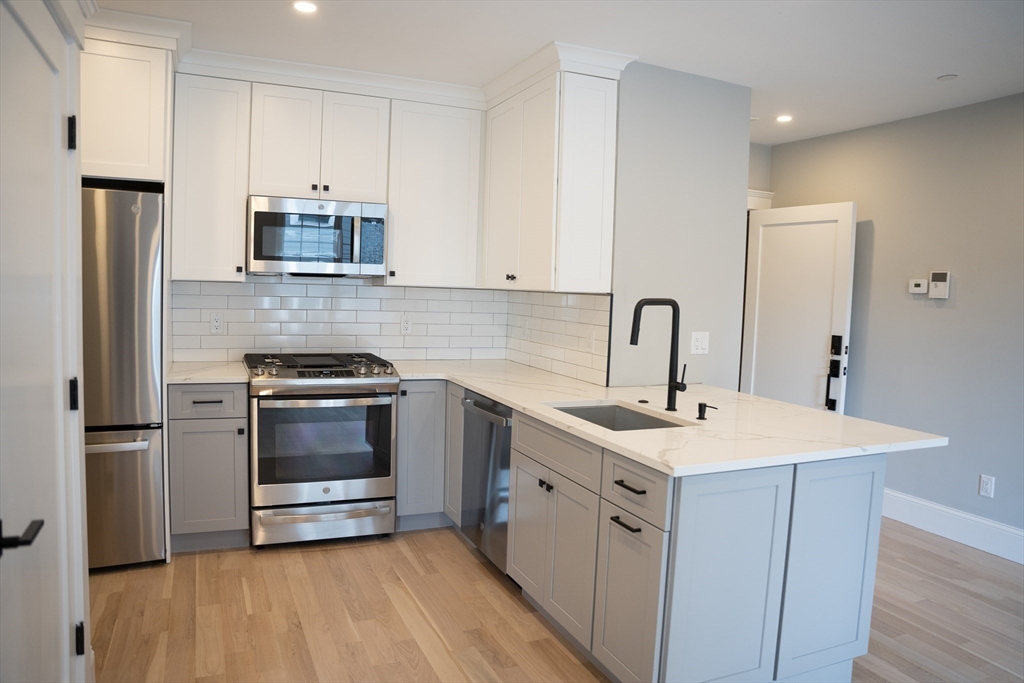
[[31, 531]]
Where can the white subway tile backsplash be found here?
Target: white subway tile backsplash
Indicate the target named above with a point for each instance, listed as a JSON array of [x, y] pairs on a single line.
[[231, 315], [348, 291], [473, 295], [330, 316], [185, 315], [190, 328], [186, 342], [378, 317], [252, 302], [425, 341], [332, 341], [449, 330], [306, 329], [180, 287], [202, 355], [356, 328], [450, 306], [254, 328], [403, 304], [347, 304], [449, 354], [381, 341], [282, 341], [226, 288], [322, 303], [487, 354], [280, 316], [372, 292], [472, 319], [227, 341], [469, 342], [489, 307], [280, 290], [431, 293], [194, 301], [407, 354]]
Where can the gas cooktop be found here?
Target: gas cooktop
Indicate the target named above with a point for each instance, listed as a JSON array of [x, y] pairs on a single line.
[[307, 369]]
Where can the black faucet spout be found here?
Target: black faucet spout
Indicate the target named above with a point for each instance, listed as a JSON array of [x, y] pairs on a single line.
[[673, 358]]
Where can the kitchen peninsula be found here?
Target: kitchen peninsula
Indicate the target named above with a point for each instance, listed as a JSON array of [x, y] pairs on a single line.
[[741, 547]]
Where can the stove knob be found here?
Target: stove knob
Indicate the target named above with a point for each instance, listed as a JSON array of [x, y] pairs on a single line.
[[375, 369], [273, 371], [259, 371], [361, 370], [389, 370]]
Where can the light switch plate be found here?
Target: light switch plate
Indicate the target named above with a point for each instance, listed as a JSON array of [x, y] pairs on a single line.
[[699, 342]]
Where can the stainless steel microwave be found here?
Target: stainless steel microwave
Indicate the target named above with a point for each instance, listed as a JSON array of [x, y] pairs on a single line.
[[315, 237]]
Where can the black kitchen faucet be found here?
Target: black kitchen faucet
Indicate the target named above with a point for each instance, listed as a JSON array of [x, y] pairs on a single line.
[[673, 357]]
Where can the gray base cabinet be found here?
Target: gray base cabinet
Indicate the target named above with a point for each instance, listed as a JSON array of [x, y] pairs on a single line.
[[209, 468], [830, 577], [421, 447], [631, 560], [453, 455], [726, 575]]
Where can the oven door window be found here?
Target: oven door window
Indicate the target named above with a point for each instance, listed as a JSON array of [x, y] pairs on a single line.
[[302, 441], [297, 237]]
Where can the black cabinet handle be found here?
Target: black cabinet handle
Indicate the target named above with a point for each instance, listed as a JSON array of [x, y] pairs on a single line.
[[626, 526], [509, 276], [541, 483], [548, 487], [238, 269], [26, 538], [241, 431], [623, 484], [327, 188], [196, 403], [314, 186]]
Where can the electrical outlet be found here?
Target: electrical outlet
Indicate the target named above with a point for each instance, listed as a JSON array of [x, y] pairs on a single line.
[[216, 323], [699, 342], [987, 486], [406, 323]]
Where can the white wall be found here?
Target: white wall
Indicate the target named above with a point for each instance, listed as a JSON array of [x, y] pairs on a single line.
[[759, 175], [938, 192], [680, 222]]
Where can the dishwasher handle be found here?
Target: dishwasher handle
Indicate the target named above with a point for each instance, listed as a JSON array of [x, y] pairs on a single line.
[[470, 405]]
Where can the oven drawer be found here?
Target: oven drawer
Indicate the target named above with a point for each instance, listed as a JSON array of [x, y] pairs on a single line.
[[189, 401], [318, 522]]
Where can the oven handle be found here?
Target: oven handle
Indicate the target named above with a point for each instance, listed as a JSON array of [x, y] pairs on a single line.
[[270, 518], [327, 403]]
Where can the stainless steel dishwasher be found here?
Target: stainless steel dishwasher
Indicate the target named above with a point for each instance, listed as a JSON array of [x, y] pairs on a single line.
[[486, 447]]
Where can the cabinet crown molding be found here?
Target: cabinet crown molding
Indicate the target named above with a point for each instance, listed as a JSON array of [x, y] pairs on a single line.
[[139, 29], [555, 56]]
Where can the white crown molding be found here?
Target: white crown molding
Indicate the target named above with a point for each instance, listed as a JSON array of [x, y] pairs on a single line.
[[280, 72], [71, 15], [760, 194], [963, 527], [139, 29], [553, 57]]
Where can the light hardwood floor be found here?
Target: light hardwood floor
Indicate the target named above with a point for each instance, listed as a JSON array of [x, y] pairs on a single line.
[[424, 606]]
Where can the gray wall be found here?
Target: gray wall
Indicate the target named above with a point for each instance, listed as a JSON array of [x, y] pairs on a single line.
[[938, 192], [760, 167], [680, 221]]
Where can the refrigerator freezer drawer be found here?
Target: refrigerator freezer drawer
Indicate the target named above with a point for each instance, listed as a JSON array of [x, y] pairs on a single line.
[[124, 475]]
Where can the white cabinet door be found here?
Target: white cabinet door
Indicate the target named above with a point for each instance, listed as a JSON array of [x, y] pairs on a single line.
[[420, 469], [528, 524], [631, 560], [586, 184], [433, 195], [124, 111], [453, 455], [572, 556], [521, 175], [285, 152], [354, 148], [211, 178]]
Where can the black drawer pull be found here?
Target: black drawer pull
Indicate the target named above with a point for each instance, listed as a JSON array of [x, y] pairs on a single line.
[[197, 403], [623, 484], [541, 482], [626, 526]]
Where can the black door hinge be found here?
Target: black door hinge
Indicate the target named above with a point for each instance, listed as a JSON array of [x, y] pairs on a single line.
[[72, 132], [73, 393], [80, 638], [837, 344]]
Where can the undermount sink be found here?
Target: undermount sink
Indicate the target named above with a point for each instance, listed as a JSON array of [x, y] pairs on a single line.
[[619, 418]]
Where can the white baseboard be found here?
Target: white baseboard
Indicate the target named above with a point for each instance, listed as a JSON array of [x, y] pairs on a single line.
[[971, 530]]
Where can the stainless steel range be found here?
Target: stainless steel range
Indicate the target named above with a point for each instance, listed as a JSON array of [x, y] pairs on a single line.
[[322, 443]]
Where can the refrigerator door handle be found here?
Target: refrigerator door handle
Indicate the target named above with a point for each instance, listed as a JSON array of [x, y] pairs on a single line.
[[117, 447]]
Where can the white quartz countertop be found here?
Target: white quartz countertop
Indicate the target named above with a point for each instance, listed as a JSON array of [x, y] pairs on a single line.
[[745, 432]]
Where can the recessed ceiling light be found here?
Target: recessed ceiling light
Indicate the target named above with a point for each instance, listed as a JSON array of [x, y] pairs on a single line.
[[947, 77], [304, 6], [785, 118]]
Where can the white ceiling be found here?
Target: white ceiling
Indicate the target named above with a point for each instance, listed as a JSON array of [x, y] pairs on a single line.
[[834, 65]]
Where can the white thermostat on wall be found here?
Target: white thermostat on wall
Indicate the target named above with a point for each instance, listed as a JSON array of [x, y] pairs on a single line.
[[938, 284], [918, 286]]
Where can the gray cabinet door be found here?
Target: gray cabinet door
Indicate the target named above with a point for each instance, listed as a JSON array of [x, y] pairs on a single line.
[[421, 427], [209, 467], [629, 595], [528, 524], [572, 556], [830, 575], [453, 455], [726, 574]]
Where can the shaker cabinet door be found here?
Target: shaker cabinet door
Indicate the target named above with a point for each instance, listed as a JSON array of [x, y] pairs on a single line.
[[528, 524], [211, 178], [354, 148], [421, 425], [285, 151], [209, 469]]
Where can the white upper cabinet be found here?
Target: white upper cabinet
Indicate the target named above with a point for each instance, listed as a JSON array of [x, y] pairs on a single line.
[[211, 174], [433, 195], [354, 148], [318, 145], [550, 186], [124, 119], [285, 151]]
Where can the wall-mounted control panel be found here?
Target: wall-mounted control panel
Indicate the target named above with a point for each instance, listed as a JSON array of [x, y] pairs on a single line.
[[919, 286], [938, 284]]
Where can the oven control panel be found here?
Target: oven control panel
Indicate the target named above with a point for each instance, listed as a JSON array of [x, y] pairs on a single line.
[[325, 374]]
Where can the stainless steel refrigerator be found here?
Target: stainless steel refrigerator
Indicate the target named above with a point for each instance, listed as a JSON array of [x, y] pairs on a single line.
[[122, 278]]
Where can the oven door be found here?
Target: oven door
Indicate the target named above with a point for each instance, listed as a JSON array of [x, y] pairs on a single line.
[[317, 450], [304, 236]]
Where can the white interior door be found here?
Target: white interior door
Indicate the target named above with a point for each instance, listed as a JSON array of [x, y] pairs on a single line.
[[796, 324], [39, 601]]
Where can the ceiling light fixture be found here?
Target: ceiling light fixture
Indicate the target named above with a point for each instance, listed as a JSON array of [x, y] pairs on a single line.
[[304, 7], [947, 77], [785, 118]]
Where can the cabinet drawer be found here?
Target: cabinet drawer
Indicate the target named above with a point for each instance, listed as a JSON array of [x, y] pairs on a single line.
[[654, 502], [190, 401], [574, 458]]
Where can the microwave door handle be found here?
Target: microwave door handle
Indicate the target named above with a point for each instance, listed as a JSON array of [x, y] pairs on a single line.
[[357, 230]]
